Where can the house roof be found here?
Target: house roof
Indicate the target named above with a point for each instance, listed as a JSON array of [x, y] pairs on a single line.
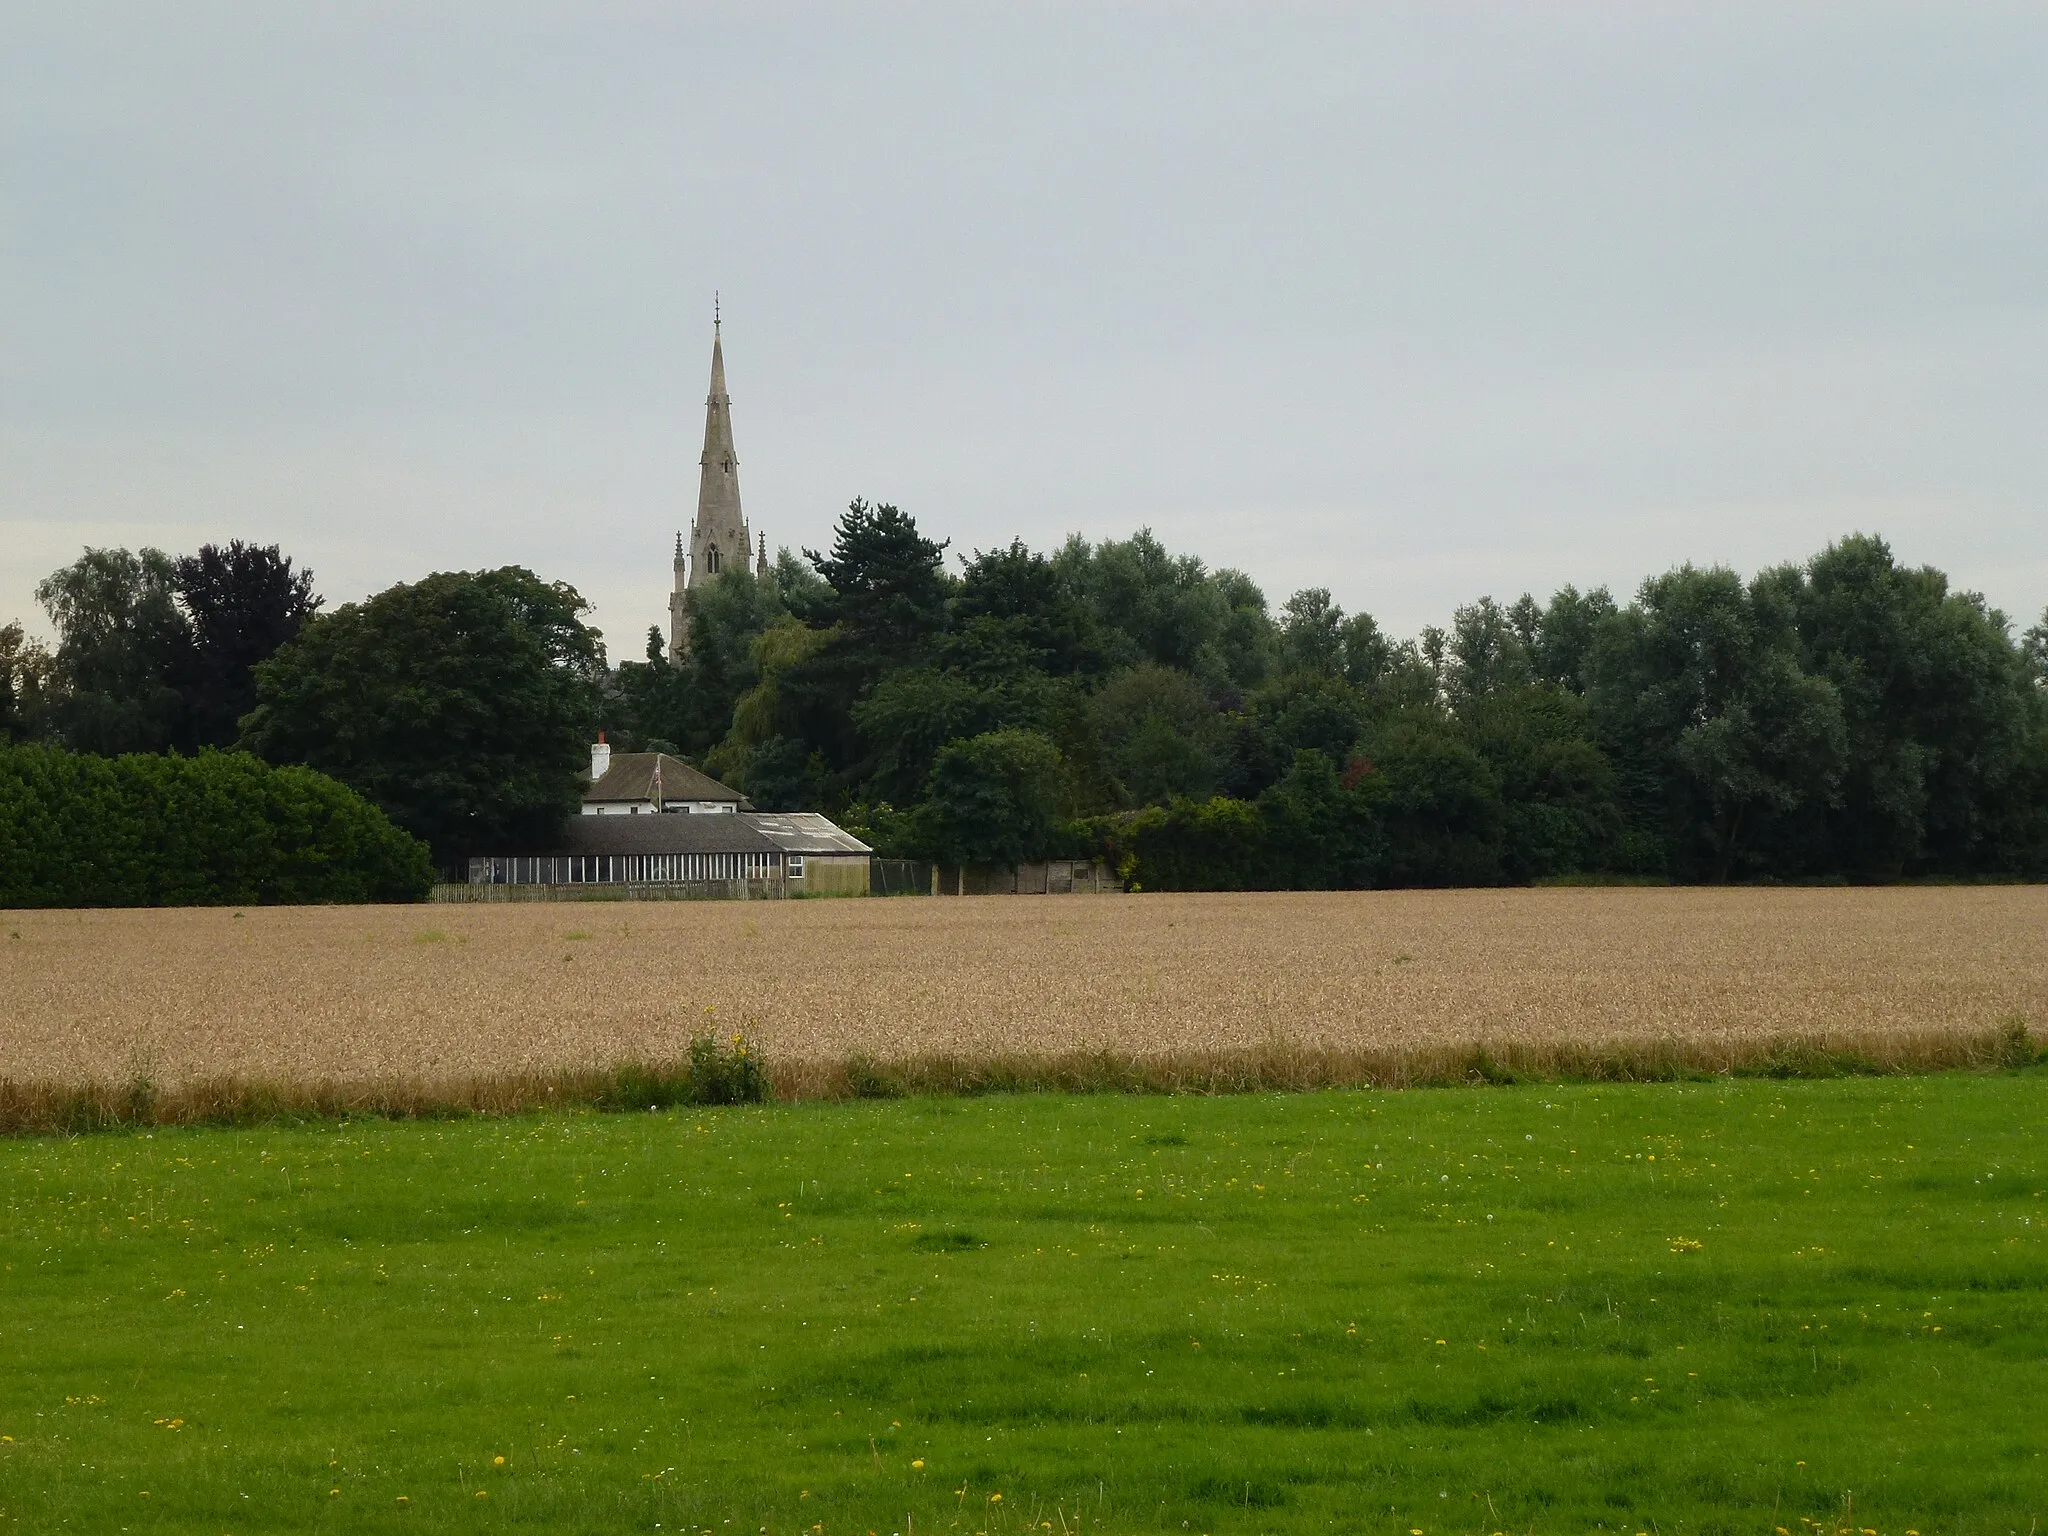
[[673, 833], [805, 832], [630, 779]]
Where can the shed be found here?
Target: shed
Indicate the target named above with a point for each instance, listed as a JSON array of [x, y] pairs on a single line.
[[821, 858]]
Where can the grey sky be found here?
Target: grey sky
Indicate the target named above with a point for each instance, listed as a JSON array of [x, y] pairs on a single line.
[[1417, 303]]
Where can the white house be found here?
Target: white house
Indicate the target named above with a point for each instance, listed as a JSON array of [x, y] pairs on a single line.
[[651, 784]]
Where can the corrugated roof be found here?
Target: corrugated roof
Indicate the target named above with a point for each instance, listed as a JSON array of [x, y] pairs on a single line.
[[631, 778], [805, 832], [674, 832]]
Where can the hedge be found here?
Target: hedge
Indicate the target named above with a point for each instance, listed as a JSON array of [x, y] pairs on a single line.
[[219, 829]]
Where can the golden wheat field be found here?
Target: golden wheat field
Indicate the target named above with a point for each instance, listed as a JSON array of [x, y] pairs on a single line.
[[445, 994]]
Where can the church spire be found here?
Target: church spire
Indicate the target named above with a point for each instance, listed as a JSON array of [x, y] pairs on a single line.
[[719, 539], [721, 494]]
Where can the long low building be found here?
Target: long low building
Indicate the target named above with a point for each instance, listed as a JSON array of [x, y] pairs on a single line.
[[755, 853]]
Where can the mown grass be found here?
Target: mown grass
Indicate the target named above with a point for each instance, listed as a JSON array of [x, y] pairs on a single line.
[[1733, 1305]]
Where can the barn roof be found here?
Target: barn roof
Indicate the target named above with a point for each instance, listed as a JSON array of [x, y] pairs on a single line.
[[805, 832]]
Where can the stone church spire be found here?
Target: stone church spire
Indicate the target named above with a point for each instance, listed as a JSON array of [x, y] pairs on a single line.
[[719, 540]]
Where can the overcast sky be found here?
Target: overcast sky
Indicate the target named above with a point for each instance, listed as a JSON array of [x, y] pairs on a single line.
[[1416, 303]]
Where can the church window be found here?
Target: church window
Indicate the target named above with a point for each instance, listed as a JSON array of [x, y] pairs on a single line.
[[711, 559]]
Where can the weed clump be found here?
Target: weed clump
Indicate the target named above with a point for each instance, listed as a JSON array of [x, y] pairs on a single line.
[[733, 1074]]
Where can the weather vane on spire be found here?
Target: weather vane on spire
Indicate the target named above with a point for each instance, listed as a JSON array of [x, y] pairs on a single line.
[[714, 311]]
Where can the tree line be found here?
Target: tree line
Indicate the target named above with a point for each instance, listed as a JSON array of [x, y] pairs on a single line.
[[1844, 718]]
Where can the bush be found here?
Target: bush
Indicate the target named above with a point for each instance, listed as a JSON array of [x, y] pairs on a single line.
[[219, 829]]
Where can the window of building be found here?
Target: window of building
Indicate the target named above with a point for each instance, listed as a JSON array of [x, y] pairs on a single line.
[[796, 866], [711, 559]]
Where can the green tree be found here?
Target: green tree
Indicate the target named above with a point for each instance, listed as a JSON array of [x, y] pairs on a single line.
[[1150, 605], [1484, 653], [1560, 797], [888, 605], [462, 704], [888, 588], [1320, 835], [767, 752], [1720, 737], [1564, 636], [994, 799], [25, 667], [242, 603], [1438, 801], [911, 716], [1013, 605], [1159, 735], [1219, 844], [649, 705], [2034, 647], [1935, 710], [1312, 635], [123, 650]]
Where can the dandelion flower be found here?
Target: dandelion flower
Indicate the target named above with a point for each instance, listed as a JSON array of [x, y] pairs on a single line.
[[497, 1461], [918, 1465]]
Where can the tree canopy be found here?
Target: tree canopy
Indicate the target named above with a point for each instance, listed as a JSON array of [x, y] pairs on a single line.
[[153, 652], [1846, 718], [463, 704]]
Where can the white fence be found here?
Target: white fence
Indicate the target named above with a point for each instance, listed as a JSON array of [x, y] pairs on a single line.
[[626, 869]]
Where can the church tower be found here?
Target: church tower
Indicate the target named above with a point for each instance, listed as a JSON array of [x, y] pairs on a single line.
[[719, 540]]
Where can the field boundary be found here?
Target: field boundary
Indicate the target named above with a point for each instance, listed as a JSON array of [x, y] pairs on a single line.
[[31, 1108]]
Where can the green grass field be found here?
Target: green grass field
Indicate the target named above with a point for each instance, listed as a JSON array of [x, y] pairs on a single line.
[[1730, 1306]]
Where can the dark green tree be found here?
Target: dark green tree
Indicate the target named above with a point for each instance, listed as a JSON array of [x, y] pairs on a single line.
[[887, 607], [650, 706], [910, 717], [1560, 798], [1012, 604], [1368, 655], [242, 603], [994, 799], [1437, 799], [1158, 734], [1935, 711], [1320, 835], [1723, 742], [888, 587], [1484, 652], [462, 704]]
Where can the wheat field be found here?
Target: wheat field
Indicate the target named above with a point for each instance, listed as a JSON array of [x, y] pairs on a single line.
[[448, 998]]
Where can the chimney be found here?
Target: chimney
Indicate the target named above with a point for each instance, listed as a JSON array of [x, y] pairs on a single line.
[[600, 758]]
